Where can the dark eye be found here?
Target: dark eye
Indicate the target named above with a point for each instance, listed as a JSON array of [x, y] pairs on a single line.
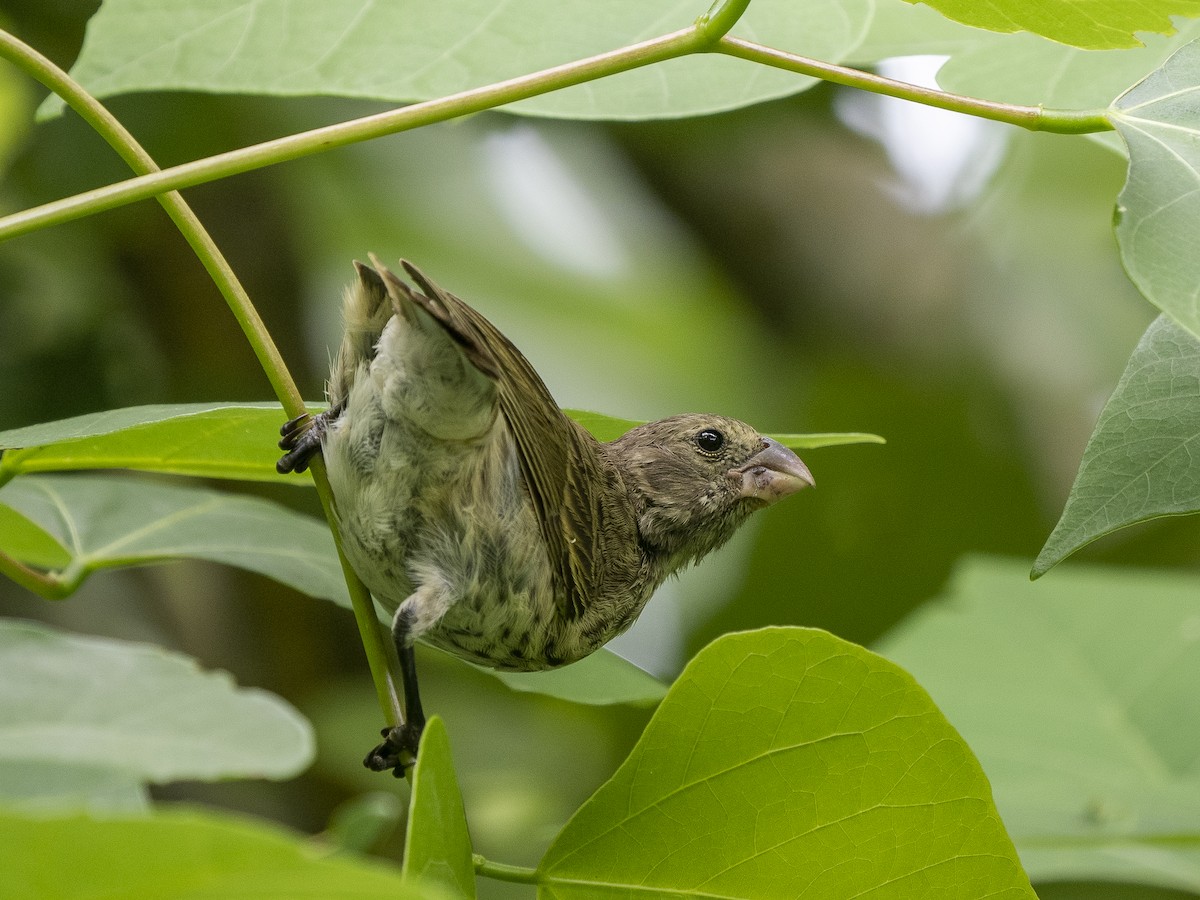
[[710, 440]]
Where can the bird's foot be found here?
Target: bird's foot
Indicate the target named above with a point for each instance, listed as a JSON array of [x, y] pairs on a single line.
[[302, 439], [398, 751]]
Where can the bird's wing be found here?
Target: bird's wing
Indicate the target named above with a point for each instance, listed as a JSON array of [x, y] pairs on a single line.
[[561, 462]]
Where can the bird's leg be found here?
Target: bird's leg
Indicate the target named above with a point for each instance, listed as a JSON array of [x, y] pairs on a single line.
[[302, 438], [399, 748]]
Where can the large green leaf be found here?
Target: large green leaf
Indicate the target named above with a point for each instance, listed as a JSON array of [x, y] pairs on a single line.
[[437, 847], [415, 51], [1141, 461], [205, 439], [1158, 212], [1093, 26], [1079, 695], [234, 441], [788, 763], [109, 521], [134, 710], [182, 855]]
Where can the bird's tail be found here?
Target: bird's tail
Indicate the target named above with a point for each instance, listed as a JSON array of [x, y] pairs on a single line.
[[365, 311]]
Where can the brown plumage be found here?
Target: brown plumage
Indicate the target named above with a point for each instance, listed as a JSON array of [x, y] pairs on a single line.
[[490, 523]]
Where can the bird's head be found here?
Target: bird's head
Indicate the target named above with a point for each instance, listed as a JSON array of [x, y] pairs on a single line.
[[693, 479]]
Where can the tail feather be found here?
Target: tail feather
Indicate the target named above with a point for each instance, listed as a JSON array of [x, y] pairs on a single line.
[[365, 311]]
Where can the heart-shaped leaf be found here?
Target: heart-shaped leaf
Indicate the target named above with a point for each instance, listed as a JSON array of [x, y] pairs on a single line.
[[788, 763], [1140, 462]]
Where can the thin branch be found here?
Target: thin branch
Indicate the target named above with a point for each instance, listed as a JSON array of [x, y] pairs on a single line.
[[234, 162], [1034, 118]]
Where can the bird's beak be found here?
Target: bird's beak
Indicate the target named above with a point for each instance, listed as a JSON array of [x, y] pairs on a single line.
[[772, 474]]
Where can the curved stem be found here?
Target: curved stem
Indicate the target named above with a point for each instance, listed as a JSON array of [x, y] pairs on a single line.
[[1034, 118], [96, 115], [677, 43], [504, 871]]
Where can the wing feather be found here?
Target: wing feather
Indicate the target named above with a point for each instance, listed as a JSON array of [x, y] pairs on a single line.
[[561, 462]]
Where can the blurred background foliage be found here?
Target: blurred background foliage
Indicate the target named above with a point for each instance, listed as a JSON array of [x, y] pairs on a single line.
[[796, 264]]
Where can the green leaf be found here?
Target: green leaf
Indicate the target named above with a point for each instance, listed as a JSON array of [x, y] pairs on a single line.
[[1140, 462], [597, 680], [1024, 68], [787, 763], [109, 521], [137, 710], [26, 541], [211, 440], [437, 847], [1094, 26], [182, 855], [1158, 211], [601, 426], [1091, 726], [419, 51], [609, 428]]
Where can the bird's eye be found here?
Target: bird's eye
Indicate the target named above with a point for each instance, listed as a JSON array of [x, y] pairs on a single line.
[[710, 440]]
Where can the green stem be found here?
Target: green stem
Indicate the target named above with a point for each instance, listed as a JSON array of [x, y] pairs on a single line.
[[721, 17], [1034, 118], [678, 43], [205, 248], [504, 871]]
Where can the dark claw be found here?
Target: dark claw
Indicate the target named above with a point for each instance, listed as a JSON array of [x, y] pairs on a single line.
[[288, 428], [398, 751], [302, 439]]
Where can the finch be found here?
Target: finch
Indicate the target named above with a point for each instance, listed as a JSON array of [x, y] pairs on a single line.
[[486, 521]]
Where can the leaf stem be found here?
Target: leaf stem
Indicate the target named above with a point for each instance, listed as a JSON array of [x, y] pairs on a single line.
[[214, 262], [721, 17], [504, 871], [44, 584], [1034, 118], [234, 162]]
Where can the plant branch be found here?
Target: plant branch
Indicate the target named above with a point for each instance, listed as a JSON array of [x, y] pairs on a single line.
[[234, 162], [1034, 118], [189, 225], [504, 871]]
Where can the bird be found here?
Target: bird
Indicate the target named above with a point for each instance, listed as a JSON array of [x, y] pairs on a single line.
[[486, 521]]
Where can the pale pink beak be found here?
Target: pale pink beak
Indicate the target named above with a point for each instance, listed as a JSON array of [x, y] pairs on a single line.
[[772, 474]]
